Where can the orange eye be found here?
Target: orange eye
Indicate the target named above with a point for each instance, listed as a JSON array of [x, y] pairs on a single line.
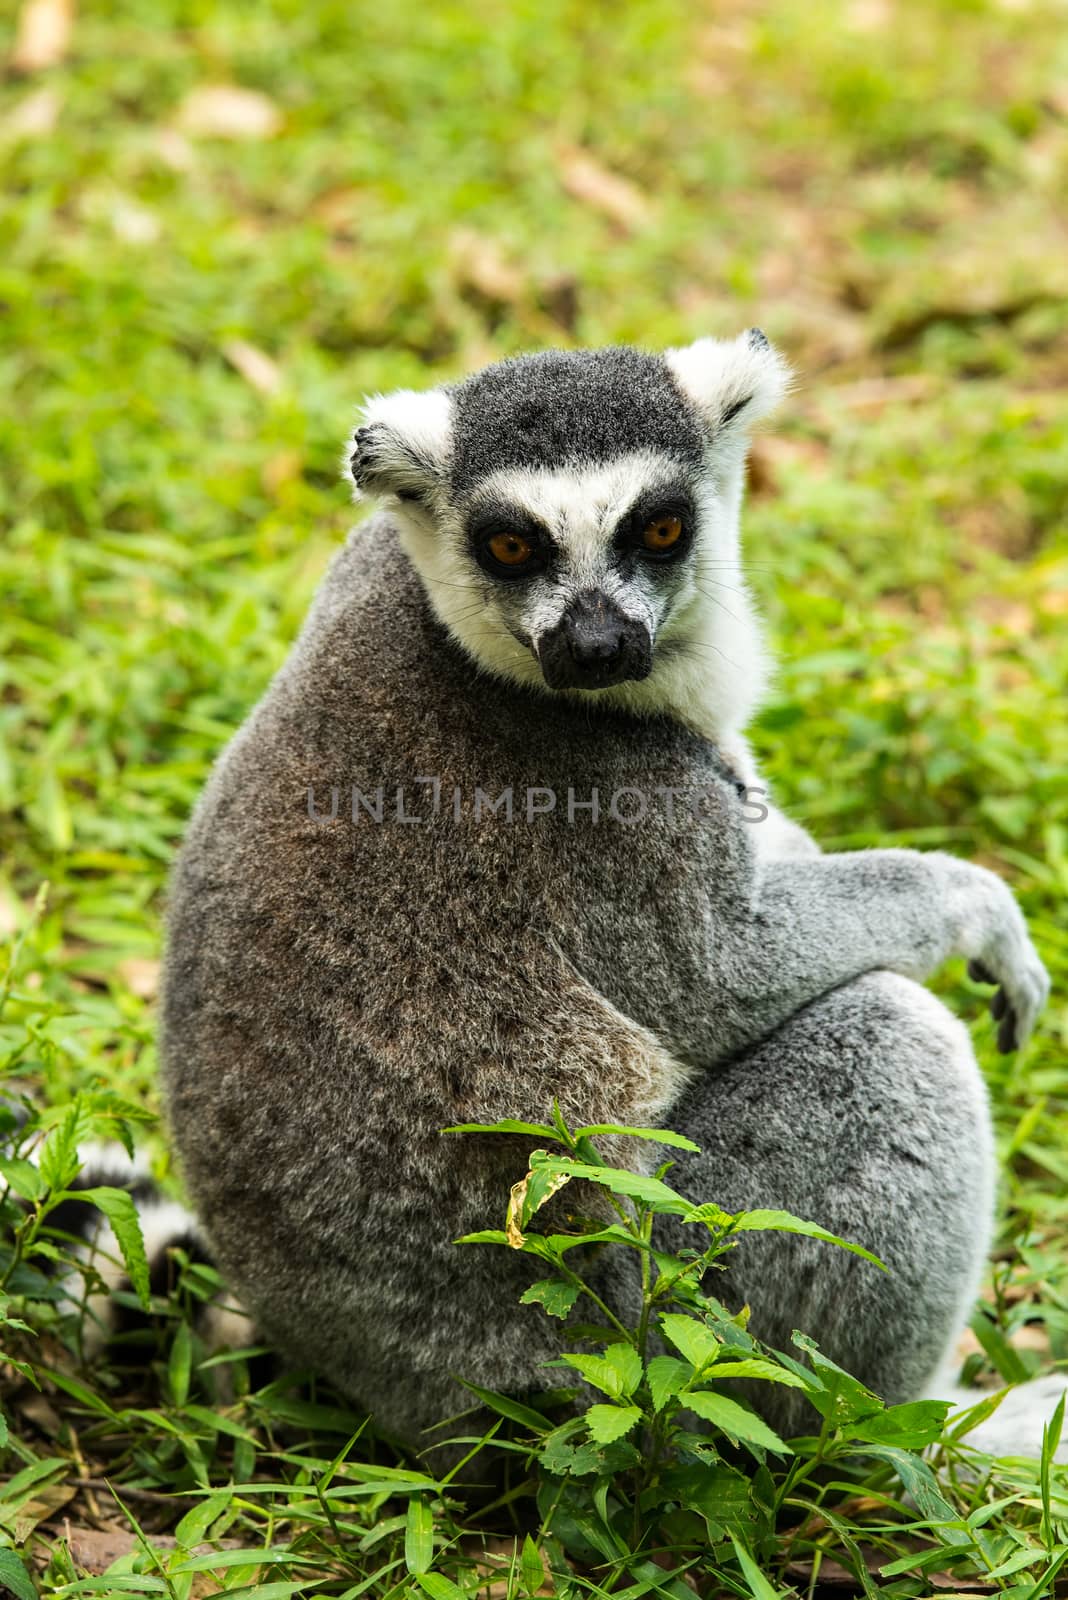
[[510, 549], [662, 533]]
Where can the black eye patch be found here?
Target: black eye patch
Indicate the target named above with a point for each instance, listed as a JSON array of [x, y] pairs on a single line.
[[493, 518], [669, 501]]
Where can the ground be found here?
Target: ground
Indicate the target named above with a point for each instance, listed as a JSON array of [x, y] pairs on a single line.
[[220, 226]]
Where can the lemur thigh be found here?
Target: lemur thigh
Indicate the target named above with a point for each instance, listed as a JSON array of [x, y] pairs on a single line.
[[867, 1114]]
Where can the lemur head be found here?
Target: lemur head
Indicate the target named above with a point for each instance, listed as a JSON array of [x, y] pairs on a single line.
[[574, 517]]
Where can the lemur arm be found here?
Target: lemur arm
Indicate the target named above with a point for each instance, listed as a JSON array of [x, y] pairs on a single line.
[[566, 1045], [812, 923]]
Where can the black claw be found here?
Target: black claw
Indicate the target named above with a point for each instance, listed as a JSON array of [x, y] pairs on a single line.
[[980, 974], [999, 1005], [1007, 1034]]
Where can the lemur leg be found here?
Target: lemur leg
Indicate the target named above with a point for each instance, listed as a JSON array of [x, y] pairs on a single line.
[[867, 1114]]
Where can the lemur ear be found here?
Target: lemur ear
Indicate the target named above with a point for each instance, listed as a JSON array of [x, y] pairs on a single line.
[[732, 382], [401, 445]]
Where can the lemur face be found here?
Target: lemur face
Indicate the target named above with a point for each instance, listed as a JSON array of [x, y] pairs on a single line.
[[568, 511]]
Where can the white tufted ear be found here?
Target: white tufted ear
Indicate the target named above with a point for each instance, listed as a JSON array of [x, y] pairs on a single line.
[[732, 382], [401, 445]]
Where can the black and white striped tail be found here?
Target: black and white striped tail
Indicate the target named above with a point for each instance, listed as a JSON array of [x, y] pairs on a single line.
[[167, 1228]]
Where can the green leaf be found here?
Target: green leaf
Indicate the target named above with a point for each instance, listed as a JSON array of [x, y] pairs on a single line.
[[607, 1423], [911, 1426], [657, 1135], [180, 1364], [28, 1481], [118, 1206], [514, 1410], [13, 1576], [418, 1535], [439, 1587], [786, 1222], [666, 1376], [920, 1482], [81, 1391], [265, 1555], [23, 1177], [538, 1130], [598, 1371], [757, 1367], [696, 1342], [720, 1494], [57, 1159], [842, 1399], [557, 1452], [628, 1363], [273, 1591], [1051, 1438], [735, 1420], [650, 1191], [759, 1587], [532, 1567], [194, 1525], [1002, 1354], [554, 1296], [541, 1184]]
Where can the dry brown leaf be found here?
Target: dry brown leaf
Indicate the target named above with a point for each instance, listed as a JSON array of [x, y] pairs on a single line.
[[45, 1503], [227, 111], [140, 974], [42, 37], [255, 365], [516, 1197], [614, 196], [94, 1549], [34, 116], [480, 264]]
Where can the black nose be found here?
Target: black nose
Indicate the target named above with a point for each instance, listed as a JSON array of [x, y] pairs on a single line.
[[594, 644]]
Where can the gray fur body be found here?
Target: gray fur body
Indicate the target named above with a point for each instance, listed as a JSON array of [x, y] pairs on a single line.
[[339, 991]]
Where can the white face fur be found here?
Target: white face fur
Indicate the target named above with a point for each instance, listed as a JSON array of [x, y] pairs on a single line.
[[588, 467]]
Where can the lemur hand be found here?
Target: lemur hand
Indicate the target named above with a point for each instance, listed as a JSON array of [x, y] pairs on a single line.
[[993, 935]]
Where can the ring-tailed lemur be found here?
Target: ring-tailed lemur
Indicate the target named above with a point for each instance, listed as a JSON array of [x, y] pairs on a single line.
[[453, 869]]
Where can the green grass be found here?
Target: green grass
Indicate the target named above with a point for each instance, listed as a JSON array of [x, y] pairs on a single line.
[[878, 185]]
